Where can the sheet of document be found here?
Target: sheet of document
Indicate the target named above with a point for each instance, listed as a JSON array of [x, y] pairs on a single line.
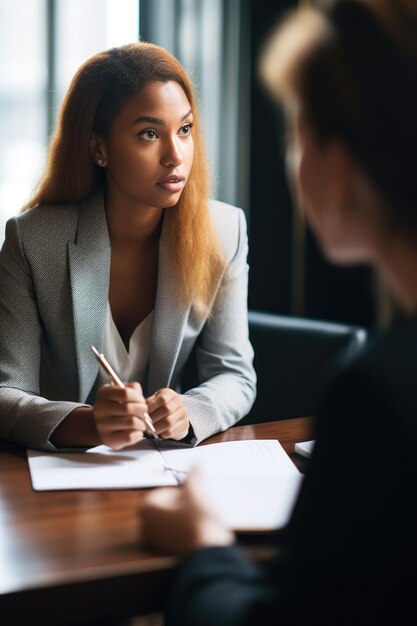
[[305, 448], [253, 484]]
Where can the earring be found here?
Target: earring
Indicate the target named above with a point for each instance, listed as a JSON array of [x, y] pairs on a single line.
[[100, 162]]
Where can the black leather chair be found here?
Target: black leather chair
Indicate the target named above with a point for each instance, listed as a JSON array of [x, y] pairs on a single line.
[[294, 358]]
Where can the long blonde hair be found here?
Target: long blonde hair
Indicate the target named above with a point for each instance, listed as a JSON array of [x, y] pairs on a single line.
[[97, 93], [353, 66]]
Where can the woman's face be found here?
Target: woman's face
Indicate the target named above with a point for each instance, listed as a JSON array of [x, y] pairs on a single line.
[[325, 184], [149, 150]]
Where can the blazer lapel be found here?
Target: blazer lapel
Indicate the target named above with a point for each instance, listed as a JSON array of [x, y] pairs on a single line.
[[169, 320], [89, 265]]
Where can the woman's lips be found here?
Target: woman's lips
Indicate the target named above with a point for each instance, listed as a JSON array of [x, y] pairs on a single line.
[[172, 184]]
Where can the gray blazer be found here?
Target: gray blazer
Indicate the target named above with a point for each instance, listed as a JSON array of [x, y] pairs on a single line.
[[54, 282]]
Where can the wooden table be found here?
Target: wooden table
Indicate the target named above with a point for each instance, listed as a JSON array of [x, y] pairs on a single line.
[[71, 554]]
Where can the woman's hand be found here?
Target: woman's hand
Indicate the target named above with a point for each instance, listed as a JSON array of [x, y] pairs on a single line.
[[119, 415], [169, 414], [180, 520]]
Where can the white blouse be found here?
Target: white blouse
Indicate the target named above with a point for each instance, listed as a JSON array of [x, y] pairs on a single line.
[[131, 365]]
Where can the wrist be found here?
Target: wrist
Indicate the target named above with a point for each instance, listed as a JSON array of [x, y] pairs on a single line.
[[190, 436], [213, 533], [77, 429]]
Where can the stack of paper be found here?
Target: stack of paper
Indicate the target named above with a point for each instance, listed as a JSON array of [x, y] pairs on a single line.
[[253, 484]]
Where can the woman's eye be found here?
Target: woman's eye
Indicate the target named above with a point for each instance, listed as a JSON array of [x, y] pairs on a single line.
[[186, 129], [148, 135]]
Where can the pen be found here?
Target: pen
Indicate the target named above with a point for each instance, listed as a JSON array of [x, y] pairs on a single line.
[[117, 381]]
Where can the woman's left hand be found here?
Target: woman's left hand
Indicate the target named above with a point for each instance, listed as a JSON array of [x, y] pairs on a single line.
[[169, 414], [182, 519]]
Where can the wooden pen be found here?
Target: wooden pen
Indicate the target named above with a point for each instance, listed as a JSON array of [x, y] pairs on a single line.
[[117, 381]]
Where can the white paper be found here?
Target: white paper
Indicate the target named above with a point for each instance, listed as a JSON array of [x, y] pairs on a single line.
[[251, 504], [253, 484], [305, 448], [99, 468]]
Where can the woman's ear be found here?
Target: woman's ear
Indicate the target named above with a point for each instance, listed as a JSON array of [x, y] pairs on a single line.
[[98, 150], [342, 169]]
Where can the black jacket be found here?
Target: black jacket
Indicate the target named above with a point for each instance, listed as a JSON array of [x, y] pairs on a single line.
[[349, 553]]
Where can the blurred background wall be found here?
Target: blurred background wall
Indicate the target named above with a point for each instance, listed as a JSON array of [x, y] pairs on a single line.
[[42, 42]]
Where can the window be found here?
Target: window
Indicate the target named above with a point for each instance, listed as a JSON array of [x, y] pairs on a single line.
[[43, 42], [23, 84]]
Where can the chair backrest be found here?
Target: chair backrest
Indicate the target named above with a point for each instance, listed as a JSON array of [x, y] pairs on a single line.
[[294, 358]]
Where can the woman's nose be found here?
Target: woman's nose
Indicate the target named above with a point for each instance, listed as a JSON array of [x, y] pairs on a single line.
[[172, 155]]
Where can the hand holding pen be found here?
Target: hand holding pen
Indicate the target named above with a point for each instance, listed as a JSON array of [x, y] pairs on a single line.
[[120, 411]]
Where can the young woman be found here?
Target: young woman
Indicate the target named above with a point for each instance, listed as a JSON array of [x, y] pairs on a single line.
[[347, 80], [121, 249]]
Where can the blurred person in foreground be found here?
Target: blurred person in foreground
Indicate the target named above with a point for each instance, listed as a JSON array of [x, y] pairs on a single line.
[[346, 79]]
